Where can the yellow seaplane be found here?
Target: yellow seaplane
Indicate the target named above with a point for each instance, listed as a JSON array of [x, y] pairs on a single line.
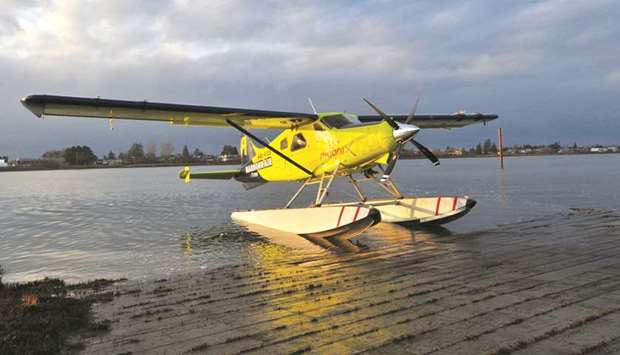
[[312, 149]]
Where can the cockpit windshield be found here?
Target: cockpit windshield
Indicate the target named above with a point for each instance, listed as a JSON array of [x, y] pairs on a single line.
[[336, 121]]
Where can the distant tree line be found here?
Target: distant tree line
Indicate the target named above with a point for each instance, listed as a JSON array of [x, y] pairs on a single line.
[[79, 155], [555, 146], [229, 150], [488, 147], [136, 154], [83, 155]]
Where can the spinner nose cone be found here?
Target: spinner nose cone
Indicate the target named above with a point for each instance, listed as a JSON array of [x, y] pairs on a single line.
[[405, 132]]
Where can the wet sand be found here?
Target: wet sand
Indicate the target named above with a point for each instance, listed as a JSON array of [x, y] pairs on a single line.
[[549, 286]]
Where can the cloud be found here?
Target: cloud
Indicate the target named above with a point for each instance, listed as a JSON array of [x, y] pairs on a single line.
[[486, 65], [273, 54]]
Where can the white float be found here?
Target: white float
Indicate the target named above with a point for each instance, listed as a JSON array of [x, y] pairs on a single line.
[[349, 219]]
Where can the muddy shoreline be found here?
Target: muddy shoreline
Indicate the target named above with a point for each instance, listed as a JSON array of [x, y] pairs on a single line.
[[546, 286], [50, 317]]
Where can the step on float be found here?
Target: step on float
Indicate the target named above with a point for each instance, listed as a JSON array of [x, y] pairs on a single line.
[[353, 218]]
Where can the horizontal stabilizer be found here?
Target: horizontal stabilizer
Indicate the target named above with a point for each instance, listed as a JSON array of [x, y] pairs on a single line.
[[213, 175]]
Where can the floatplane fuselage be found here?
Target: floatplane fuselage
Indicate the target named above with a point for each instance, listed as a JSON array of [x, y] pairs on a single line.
[[332, 144]]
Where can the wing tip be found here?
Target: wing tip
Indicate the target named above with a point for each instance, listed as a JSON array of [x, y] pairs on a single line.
[[33, 105]]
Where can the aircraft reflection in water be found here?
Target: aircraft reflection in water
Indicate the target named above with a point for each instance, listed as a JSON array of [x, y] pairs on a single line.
[[252, 237], [326, 291], [303, 287]]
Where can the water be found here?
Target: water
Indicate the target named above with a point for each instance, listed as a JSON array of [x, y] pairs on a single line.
[[146, 223]]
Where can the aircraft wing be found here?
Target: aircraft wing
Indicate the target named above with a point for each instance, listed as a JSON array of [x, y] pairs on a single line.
[[49, 105], [438, 121]]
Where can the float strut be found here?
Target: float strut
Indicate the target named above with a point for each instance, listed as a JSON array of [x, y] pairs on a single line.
[[389, 186], [357, 189], [322, 192], [301, 188]]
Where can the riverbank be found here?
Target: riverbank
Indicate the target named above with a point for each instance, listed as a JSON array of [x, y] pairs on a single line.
[[50, 317], [159, 165], [551, 285]]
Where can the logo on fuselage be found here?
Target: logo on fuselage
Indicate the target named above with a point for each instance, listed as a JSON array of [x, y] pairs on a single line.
[[258, 165], [332, 153]]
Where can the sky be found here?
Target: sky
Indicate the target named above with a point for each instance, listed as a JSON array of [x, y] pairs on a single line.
[[548, 68]]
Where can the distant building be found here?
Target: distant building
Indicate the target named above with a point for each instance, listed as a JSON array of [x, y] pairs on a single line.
[[24, 163], [457, 152], [3, 163], [228, 158], [610, 149], [109, 162]]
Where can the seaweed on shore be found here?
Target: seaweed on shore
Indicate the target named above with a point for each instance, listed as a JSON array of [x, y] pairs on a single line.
[[38, 317]]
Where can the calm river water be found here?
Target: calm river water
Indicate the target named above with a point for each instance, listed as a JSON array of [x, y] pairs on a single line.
[[146, 223]]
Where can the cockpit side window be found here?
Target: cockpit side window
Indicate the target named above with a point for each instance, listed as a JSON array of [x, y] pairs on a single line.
[[336, 121], [298, 142], [283, 144]]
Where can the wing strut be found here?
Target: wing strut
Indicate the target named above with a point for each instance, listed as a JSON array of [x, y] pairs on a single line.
[[244, 131]]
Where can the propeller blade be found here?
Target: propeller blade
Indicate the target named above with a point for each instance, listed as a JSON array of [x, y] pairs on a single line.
[[427, 153], [393, 160], [413, 111], [385, 117]]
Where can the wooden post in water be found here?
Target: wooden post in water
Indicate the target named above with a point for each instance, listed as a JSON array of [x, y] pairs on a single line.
[[501, 148]]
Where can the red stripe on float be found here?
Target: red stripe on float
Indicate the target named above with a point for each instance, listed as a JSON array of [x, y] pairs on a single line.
[[437, 207], [340, 217], [356, 212], [454, 203]]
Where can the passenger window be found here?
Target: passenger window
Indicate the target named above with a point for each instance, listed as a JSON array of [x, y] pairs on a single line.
[[318, 127], [298, 142], [283, 144]]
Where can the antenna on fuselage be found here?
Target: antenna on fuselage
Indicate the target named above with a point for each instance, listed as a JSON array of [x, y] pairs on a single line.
[[312, 105]]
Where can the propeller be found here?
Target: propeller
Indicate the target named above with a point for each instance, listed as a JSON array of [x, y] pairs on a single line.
[[396, 154]]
